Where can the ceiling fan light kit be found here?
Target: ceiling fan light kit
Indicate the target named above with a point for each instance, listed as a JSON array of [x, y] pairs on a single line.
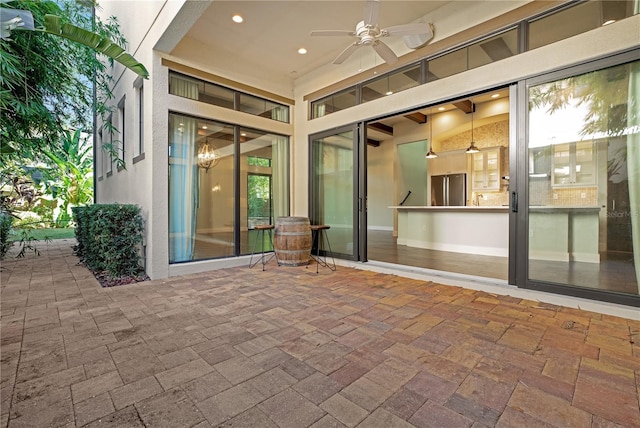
[[369, 33]]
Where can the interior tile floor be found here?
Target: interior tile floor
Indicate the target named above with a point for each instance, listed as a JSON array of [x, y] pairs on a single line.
[[287, 347]]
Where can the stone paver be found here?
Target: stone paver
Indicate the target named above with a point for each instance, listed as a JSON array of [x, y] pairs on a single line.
[[291, 348]]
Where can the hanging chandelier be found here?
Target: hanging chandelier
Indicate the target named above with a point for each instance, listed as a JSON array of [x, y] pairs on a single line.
[[208, 156]]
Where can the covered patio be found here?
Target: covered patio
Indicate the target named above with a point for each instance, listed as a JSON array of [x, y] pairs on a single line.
[[291, 348]]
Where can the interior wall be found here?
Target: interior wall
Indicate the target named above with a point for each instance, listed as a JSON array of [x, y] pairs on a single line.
[[215, 197], [412, 173], [381, 192]]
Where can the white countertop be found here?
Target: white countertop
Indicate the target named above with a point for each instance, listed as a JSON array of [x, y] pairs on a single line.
[[538, 208], [450, 209], [564, 208]]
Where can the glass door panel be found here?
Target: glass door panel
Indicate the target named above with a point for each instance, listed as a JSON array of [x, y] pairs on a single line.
[[201, 189], [333, 189], [264, 184], [583, 228], [216, 219]]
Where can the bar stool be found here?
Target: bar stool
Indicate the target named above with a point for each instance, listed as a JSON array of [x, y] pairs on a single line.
[[261, 228], [319, 236]]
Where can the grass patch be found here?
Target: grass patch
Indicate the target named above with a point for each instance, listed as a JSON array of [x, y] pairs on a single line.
[[42, 234]]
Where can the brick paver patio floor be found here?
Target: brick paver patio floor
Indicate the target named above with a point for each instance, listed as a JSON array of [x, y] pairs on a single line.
[[289, 348]]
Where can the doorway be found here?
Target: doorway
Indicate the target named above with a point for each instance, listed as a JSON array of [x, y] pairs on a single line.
[[336, 190], [403, 181]]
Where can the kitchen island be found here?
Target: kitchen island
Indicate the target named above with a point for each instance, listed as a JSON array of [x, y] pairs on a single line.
[[462, 229], [564, 233]]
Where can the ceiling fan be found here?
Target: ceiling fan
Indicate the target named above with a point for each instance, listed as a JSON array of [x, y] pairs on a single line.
[[369, 33]]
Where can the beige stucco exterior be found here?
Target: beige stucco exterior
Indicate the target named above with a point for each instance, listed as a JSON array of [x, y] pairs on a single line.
[[154, 31]]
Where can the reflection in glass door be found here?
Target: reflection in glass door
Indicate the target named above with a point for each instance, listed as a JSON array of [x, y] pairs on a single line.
[[584, 162], [333, 174]]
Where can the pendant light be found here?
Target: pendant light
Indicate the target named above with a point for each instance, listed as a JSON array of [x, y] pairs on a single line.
[[472, 147], [431, 154]]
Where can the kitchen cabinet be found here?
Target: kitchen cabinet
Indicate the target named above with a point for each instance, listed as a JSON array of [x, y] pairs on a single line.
[[485, 169], [573, 164], [453, 162]]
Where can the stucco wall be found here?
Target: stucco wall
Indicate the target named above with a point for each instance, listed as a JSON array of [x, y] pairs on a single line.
[[158, 28]]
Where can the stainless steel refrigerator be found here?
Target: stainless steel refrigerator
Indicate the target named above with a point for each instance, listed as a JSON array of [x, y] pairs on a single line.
[[449, 190]]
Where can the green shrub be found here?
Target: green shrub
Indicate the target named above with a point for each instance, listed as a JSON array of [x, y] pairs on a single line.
[[79, 217], [109, 238], [5, 231]]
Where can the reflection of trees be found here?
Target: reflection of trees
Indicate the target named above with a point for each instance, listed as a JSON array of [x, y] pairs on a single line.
[[610, 99], [617, 163], [605, 94]]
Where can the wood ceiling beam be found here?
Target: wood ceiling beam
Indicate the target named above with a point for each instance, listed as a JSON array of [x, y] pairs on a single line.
[[382, 128], [466, 106], [417, 117]]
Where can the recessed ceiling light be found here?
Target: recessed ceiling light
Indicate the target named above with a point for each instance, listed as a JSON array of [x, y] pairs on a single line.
[[237, 18], [495, 95], [302, 51], [440, 108], [204, 126]]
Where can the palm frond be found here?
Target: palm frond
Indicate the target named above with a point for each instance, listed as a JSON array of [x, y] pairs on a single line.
[[53, 25]]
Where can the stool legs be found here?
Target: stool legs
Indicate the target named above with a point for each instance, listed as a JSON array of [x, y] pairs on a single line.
[[320, 237], [263, 258]]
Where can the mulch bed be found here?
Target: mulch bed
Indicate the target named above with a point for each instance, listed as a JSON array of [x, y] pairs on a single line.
[[107, 281]]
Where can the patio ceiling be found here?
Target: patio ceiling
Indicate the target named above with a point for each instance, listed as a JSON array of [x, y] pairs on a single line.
[[268, 40]]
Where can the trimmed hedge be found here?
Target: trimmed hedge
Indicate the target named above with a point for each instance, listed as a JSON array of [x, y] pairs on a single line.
[[109, 238]]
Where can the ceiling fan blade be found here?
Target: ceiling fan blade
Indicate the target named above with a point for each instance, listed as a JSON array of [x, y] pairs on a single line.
[[385, 52], [371, 12], [333, 33], [406, 29], [346, 53]]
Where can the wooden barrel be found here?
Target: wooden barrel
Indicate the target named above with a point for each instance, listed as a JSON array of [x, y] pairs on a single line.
[[292, 241]]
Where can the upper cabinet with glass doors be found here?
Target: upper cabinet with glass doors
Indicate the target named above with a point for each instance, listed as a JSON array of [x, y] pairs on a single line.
[[573, 164], [485, 170]]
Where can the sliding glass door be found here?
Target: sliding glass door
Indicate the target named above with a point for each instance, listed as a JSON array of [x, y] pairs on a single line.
[[583, 175], [335, 189]]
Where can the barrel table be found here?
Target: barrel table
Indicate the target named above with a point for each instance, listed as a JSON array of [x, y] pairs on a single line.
[[292, 241]]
